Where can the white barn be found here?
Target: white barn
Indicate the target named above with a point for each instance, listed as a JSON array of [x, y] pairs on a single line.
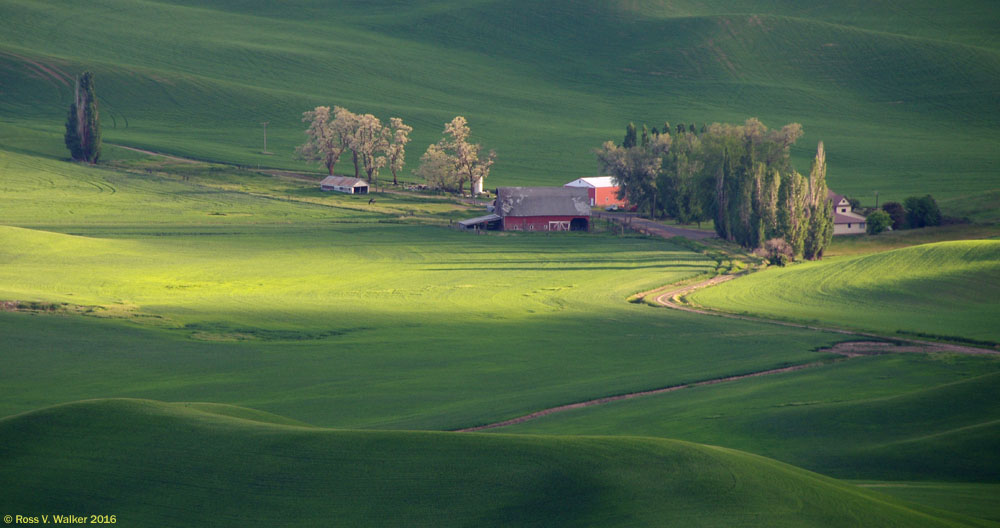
[[344, 184]]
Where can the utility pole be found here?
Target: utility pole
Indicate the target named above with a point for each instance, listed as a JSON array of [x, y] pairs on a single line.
[[265, 137], [876, 199]]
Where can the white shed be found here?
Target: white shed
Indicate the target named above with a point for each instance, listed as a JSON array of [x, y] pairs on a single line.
[[344, 184]]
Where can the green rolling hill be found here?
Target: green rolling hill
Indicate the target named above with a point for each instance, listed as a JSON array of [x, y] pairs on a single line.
[[896, 417], [158, 464], [903, 96], [946, 289], [225, 285]]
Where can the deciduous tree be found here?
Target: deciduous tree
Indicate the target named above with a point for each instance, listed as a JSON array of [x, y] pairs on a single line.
[[328, 136], [437, 167], [922, 211], [877, 222], [635, 170], [820, 231], [395, 152], [470, 163], [897, 213], [368, 141]]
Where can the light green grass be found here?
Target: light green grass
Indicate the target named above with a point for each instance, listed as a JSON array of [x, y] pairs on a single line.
[[944, 289], [312, 306], [159, 464], [862, 244], [151, 191], [884, 88], [372, 325]]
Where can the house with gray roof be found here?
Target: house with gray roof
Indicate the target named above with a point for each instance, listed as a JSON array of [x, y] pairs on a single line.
[[845, 222]]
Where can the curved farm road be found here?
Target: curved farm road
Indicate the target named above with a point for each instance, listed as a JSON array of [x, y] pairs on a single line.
[[669, 300], [667, 297]]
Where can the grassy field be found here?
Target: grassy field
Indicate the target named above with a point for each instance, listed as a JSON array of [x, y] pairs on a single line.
[[358, 324], [978, 500], [329, 312], [946, 289], [283, 311], [903, 417], [543, 84], [863, 244], [151, 463]]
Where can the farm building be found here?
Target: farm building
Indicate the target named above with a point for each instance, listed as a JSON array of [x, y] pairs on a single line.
[[344, 184], [490, 222], [602, 190], [543, 208], [845, 222]]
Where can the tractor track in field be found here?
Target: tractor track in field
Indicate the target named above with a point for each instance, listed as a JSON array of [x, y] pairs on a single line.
[[151, 153], [667, 297], [651, 392]]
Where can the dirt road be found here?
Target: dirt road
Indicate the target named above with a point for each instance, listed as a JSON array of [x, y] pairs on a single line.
[[650, 227], [669, 299]]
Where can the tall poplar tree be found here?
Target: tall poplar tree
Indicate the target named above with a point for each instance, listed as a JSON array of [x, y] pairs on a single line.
[[630, 136], [819, 233], [83, 125]]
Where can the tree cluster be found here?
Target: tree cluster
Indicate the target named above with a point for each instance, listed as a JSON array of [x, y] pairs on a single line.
[[740, 176], [83, 124], [915, 212], [372, 144], [453, 161], [922, 211]]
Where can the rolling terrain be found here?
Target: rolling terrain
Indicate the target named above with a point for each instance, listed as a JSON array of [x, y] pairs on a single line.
[[946, 289], [178, 464], [901, 95], [893, 417], [183, 339]]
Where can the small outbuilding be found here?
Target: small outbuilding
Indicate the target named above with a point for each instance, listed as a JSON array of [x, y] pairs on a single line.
[[543, 208], [489, 222], [344, 184], [601, 189], [845, 222]]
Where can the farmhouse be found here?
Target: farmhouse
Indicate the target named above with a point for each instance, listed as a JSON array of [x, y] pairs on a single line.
[[845, 222], [344, 184], [601, 189], [543, 208]]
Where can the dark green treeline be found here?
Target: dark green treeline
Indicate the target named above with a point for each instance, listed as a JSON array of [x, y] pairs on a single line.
[[740, 176]]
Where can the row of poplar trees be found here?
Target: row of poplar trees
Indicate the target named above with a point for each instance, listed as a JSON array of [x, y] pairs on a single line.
[[740, 176]]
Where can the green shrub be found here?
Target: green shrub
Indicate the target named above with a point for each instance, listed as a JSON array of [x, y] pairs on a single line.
[[878, 222]]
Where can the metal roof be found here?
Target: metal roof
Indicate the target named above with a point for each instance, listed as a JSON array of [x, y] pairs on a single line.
[[479, 220], [343, 181], [543, 201], [594, 182]]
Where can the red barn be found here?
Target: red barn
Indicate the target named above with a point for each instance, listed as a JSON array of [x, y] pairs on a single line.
[[543, 208], [601, 189]]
